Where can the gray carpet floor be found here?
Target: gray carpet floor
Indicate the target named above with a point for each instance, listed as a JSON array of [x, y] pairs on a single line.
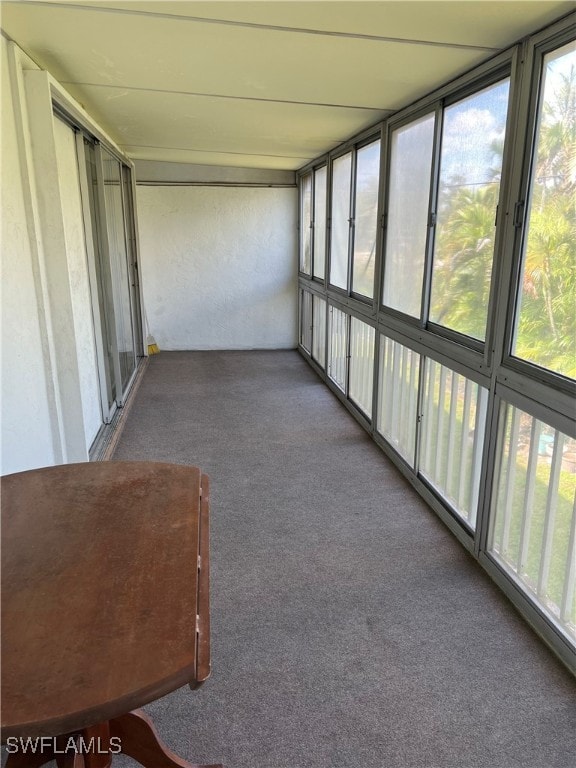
[[349, 628]]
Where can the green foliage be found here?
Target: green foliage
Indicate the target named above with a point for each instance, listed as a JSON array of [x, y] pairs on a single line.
[[546, 317], [546, 333], [463, 258]]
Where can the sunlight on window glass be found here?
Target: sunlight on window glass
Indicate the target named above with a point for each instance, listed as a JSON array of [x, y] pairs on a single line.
[[320, 222], [410, 167], [398, 396], [305, 216], [361, 365], [341, 173], [366, 218], [533, 517], [453, 427], [546, 314], [470, 168]]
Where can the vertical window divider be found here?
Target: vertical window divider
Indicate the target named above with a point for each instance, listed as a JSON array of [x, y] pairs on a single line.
[[505, 270], [383, 194], [432, 208], [490, 471], [381, 222], [348, 324], [352, 220], [328, 244], [326, 335], [107, 261], [376, 380], [312, 220], [420, 413], [93, 280]]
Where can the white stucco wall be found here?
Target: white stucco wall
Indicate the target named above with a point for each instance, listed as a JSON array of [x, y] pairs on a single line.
[[25, 409], [49, 397], [219, 266]]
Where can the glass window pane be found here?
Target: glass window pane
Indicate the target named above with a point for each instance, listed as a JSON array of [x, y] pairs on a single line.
[[338, 360], [341, 173], [119, 267], [306, 320], [398, 396], [319, 330], [409, 192], [320, 177], [546, 316], [470, 168], [305, 222], [361, 365], [103, 281], [533, 517], [452, 438], [366, 218]]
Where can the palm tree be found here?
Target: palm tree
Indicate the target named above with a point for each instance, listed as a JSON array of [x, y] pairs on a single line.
[[546, 325]]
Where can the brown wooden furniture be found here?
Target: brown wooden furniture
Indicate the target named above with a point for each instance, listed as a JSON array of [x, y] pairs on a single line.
[[105, 605]]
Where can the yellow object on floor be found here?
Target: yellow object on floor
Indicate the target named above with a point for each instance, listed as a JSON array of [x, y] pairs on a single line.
[[153, 348]]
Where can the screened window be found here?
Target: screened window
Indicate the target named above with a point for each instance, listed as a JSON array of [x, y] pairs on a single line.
[[545, 329], [361, 365], [319, 330], [306, 320], [474, 190], [340, 215], [338, 350], [533, 516], [469, 185], [320, 181], [452, 440], [409, 192], [306, 223], [398, 396], [366, 218]]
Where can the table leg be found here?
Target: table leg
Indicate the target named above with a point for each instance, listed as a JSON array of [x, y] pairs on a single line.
[[99, 754], [140, 741]]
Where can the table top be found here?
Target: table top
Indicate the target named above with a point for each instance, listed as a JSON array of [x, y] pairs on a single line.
[[101, 589]]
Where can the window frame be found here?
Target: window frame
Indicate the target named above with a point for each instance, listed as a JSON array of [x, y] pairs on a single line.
[[309, 225], [500, 68], [376, 137], [540, 393], [535, 51], [369, 136], [313, 276]]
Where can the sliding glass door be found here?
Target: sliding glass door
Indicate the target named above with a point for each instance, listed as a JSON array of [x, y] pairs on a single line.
[[115, 297]]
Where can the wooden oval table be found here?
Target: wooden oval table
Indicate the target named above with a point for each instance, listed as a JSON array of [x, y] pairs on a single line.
[[105, 607]]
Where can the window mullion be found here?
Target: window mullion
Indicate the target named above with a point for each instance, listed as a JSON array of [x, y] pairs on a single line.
[[351, 219], [432, 208]]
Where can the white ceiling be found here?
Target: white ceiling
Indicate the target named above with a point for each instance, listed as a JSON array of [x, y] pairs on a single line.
[[258, 84]]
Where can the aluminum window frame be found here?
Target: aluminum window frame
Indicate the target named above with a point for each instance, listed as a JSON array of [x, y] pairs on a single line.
[[534, 51], [365, 142], [64, 109], [309, 225], [541, 393], [369, 136], [338, 290], [316, 278]]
